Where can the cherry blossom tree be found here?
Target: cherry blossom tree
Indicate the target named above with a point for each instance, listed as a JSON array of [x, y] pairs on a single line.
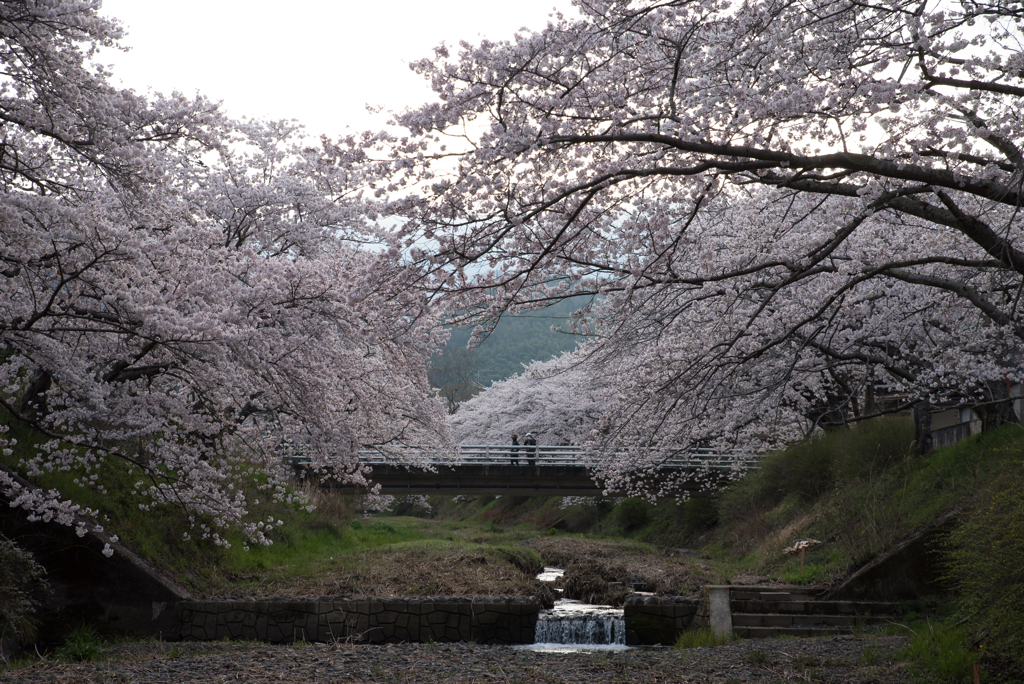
[[190, 297], [779, 203], [560, 401]]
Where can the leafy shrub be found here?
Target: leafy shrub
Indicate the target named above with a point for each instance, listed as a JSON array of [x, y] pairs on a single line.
[[985, 553], [583, 516], [870, 447], [23, 591], [697, 515], [806, 470], [632, 513]]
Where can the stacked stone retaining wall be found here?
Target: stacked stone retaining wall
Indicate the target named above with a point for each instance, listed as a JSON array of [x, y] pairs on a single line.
[[658, 619], [376, 621]]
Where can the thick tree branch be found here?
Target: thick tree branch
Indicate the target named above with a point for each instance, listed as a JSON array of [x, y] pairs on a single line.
[[839, 160]]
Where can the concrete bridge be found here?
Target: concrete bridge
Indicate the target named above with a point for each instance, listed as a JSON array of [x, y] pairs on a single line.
[[536, 471]]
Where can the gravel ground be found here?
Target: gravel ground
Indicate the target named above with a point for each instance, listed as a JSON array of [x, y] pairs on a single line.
[[841, 660]]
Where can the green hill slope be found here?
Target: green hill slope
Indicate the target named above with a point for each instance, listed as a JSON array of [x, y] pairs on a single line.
[[518, 340]]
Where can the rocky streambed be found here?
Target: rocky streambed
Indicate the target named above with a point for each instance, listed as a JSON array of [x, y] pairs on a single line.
[[841, 660]]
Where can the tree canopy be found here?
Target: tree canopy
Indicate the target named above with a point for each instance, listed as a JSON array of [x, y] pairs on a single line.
[[782, 203], [555, 400], [771, 207], [184, 294]]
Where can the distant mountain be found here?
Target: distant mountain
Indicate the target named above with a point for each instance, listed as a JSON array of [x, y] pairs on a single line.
[[518, 340]]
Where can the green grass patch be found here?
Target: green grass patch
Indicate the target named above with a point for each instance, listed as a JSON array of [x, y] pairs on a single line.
[[859, 490], [699, 638], [165, 535], [311, 539], [940, 653]]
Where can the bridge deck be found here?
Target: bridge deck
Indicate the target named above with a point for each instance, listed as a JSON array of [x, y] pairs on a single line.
[[548, 471]]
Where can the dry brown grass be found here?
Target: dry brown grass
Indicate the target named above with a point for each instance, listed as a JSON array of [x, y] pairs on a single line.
[[442, 570], [590, 565], [328, 502]]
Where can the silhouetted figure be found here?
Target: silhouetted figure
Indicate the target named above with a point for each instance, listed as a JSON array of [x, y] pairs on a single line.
[[531, 449], [514, 451]]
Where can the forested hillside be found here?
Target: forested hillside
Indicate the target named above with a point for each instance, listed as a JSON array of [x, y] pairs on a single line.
[[518, 340]]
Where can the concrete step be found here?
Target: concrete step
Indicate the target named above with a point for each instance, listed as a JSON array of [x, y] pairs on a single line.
[[765, 594], [768, 632], [814, 607], [759, 612], [797, 620]]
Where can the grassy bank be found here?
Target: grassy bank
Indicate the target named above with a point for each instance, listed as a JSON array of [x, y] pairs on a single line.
[[858, 491]]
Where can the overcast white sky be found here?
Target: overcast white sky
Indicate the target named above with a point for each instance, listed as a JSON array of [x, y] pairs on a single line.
[[317, 61]]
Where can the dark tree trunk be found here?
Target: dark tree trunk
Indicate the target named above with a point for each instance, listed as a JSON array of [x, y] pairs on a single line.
[[33, 405], [995, 414], [922, 427]]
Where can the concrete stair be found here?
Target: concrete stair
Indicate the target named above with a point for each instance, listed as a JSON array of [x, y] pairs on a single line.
[[770, 612]]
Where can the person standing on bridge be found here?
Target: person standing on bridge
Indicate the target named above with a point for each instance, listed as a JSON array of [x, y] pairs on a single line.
[[531, 449], [514, 451]]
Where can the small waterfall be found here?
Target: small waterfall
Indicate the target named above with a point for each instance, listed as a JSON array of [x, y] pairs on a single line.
[[574, 623], [582, 628]]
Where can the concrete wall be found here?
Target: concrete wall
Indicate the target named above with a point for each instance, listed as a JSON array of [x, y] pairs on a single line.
[[122, 594], [910, 570], [377, 621], [657, 619], [649, 620]]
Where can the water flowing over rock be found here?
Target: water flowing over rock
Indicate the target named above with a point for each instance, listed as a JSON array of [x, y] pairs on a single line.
[[573, 622], [582, 630]]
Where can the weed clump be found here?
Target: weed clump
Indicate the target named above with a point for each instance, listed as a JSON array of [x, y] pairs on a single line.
[[697, 515], [82, 645], [701, 638], [941, 652]]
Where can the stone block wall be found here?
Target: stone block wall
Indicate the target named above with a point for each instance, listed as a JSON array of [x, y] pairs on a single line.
[[376, 621], [657, 619]]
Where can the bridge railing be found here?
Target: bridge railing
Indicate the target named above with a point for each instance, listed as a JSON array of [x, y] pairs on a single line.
[[506, 453], [548, 455], [544, 455]]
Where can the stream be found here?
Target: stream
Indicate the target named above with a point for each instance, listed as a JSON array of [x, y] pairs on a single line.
[[572, 626]]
